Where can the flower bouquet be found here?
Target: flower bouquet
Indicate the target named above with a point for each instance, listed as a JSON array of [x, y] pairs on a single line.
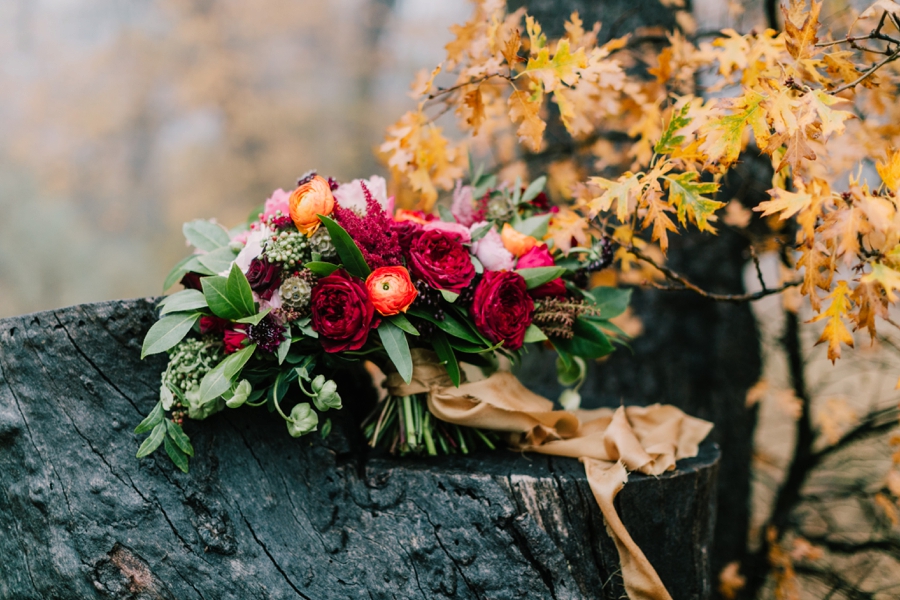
[[330, 273]]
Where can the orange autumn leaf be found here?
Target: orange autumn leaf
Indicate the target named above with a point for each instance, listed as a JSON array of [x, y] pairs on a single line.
[[800, 38], [523, 108], [890, 171], [836, 332]]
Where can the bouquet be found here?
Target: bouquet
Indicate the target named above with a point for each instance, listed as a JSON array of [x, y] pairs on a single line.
[[331, 273]]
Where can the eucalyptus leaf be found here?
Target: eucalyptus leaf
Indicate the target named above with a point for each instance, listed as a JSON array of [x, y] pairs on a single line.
[[182, 301], [218, 260], [177, 455], [205, 235], [180, 437], [445, 214], [178, 271], [535, 226], [152, 442], [535, 188], [167, 332], [394, 340], [481, 231], [346, 248]]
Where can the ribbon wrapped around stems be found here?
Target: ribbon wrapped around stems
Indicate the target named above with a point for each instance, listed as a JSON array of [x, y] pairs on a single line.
[[608, 442]]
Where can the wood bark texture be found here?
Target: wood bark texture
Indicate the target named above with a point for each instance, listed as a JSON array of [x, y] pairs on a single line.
[[264, 515]]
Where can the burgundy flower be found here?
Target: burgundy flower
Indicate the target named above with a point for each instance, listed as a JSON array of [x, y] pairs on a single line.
[[502, 308], [342, 313], [191, 281], [264, 277], [407, 232], [213, 324], [234, 339], [373, 233], [441, 260], [267, 334], [539, 256]]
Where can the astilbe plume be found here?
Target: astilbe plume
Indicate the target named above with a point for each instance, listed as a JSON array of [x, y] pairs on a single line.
[[373, 232], [556, 316]]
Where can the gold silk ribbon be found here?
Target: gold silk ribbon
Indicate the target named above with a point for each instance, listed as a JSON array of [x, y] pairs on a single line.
[[647, 439]]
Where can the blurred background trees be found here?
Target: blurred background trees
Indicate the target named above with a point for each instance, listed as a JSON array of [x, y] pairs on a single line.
[[123, 120]]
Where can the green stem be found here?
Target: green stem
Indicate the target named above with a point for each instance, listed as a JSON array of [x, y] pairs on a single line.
[[426, 430], [485, 439], [461, 439], [410, 426]]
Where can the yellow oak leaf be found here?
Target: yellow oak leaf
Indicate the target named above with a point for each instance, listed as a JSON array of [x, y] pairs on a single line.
[[655, 215], [421, 85], [796, 149], [872, 302], [536, 38], [731, 582], [510, 49], [670, 141], [724, 136], [887, 277], [562, 68], [735, 50], [475, 105], [837, 64], [686, 195], [565, 226], [800, 39], [818, 269], [622, 191], [890, 171], [784, 202], [832, 120], [531, 130], [836, 332]]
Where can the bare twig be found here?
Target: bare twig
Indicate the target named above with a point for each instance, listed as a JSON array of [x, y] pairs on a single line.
[[444, 91], [890, 58], [686, 285]]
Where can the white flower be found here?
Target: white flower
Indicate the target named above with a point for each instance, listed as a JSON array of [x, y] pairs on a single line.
[[351, 195], [251, 250]]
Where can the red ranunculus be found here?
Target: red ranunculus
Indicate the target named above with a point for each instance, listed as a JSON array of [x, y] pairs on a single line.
[[234, 339], [342, 313], [539, 256], [502, 308], [264, 277], [391, 290], [441, 260], [213, 324]]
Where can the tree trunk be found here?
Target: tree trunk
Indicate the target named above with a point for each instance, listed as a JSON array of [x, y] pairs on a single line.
[[699, 355], [263, 515]]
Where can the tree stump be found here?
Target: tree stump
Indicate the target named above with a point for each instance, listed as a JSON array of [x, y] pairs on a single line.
[[263, 515]]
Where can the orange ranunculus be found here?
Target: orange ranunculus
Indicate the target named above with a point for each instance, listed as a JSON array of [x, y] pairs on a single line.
[[391, 290], [308, 201], [416, 216], [517, 243]]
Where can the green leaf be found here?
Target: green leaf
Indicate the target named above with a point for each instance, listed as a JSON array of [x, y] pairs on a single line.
[[446, 355], [152, 420], [448, 325], [177, 455], [686, 195], [285, 346], [178, 271], [588, 343], [534, 334], [219, 379], [611, 301], [481, 231], [180, 437], [346, 248], [166, 398], [449, 296], [403, 323], [322, 269], [241, 394], [230, 298], [532, 191], [445, 214], [484, 184], [255, 319], [535, 226], [538, 276], [669, 142], [217, 260], [152, 442], [205, 235], [167, 332], [394, 340], [183, 301], [571, 373], [467, 347]]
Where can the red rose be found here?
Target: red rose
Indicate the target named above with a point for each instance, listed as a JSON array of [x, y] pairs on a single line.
[[441, 260], [539, 256], [342, 313], [264, 277], [213, 325], [234, 339], [502, 308]]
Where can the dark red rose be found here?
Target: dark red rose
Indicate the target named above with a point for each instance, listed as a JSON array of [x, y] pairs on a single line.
[[440, 259], [539, 256], [407, 232], [234, 339], [502, 308], [342, 313], [264, 277], [191, 281], [213, 325]]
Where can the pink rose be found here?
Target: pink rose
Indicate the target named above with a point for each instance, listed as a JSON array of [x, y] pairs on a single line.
[[351, 195], [460, 231], [491, 252], [463, 208], [277, 202], [539, 256]]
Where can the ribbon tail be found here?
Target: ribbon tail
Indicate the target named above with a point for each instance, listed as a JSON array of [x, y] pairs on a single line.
[[640, 578]]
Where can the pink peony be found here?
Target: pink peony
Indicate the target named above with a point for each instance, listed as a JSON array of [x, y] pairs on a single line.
[[460, 231], [463, 207], [491, 252], [277, 202], [352, 196]]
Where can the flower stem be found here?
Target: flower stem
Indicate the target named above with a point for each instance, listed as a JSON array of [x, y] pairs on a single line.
[[429, 441]]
